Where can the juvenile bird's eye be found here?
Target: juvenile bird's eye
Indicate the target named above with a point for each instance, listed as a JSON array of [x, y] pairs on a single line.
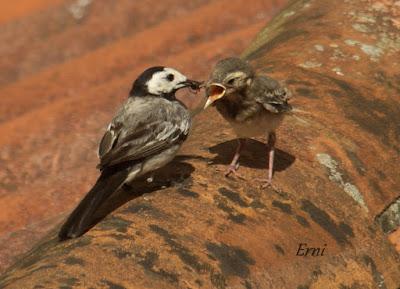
[[170, 77], [231, 81]]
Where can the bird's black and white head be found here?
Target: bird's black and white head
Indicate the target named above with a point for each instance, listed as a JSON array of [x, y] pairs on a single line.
[[161, 81], [230, 75]]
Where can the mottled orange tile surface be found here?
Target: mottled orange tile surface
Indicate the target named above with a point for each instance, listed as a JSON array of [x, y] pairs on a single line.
[[336, 165], [65, 68], [14, 10]]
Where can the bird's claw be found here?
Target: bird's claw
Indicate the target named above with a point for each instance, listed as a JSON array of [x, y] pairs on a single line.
[[265, 183], [232, 169]]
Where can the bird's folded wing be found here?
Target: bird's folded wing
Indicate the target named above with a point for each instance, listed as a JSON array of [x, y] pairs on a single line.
[[271, 95], [134, 136]]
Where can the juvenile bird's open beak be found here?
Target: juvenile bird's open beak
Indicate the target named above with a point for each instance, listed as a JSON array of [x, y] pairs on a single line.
[[215, 91]]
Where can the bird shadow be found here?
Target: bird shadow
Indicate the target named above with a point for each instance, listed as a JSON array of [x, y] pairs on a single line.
[[175, 173], [253, 155]]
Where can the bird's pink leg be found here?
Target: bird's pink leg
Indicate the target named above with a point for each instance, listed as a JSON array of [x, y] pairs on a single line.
[[234, 164], [271, 147], [271, 153]]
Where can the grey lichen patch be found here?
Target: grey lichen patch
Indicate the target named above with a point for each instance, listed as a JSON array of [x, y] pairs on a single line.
[[351, 42], [379, 7], [338, 71], [378, 23], [387, 42], [365, 18], [361, 28], [79, 8], [374, 52], [310, 64], [288, 14], [331, 164], [337, 54], [371, 50], [319, 47], [336, 176], [353, 192], [389, 219]]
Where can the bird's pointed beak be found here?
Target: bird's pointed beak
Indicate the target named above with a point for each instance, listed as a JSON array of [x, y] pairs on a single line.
[[215, 91]]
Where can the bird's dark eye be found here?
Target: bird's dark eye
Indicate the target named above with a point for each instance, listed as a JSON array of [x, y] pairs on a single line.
[[231, 81], [170, 77]]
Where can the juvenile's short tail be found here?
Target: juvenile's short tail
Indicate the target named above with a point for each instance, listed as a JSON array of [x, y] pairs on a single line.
[[82, 218]]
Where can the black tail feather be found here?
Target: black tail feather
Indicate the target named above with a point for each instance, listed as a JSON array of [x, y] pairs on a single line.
[[82, 218]]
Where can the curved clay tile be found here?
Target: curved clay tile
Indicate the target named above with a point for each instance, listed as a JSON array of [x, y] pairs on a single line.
[[337, 171]]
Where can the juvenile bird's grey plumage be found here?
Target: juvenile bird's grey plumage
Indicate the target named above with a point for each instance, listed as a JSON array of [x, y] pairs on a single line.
[[252, 104], [144, 135]]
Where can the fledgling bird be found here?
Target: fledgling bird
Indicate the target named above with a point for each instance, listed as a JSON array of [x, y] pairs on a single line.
[[252, 104], [144, 135]]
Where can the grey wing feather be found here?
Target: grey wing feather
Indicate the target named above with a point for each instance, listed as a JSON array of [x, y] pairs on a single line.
[[271, 95], [141, 129], [109, 139]]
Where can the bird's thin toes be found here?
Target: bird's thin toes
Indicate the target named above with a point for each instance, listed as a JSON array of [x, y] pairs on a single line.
[[264, 183], [232, 169]]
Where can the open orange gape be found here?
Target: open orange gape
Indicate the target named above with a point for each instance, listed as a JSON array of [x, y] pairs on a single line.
[[215, 91]]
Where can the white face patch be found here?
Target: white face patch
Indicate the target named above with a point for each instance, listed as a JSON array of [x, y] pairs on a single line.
[[166, 81]]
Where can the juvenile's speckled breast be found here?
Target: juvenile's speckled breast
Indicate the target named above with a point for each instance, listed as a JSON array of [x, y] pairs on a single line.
[[262, 124], [247, 117]]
